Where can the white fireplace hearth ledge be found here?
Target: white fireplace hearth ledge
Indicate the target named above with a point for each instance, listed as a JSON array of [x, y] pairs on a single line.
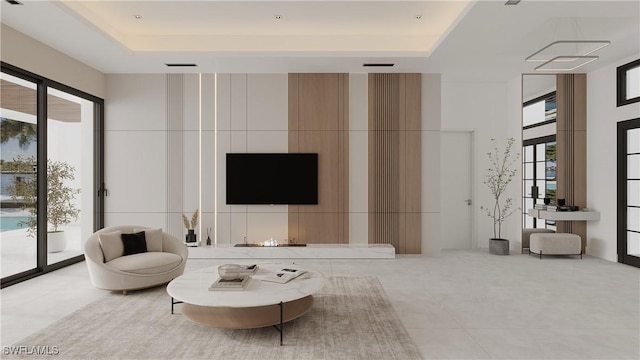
[[311, 251]]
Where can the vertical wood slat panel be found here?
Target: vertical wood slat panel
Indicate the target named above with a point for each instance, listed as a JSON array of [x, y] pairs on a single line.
[[402, 127], [394, 161], [175, 153], [318, 118], [372, 140], [343, 153], [571, 148]]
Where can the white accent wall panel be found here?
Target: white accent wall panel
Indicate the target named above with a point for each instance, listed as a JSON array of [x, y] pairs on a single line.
[[431, 119], [358, 163], [267, 103], [135, 102], [136, 150], [252, 116]]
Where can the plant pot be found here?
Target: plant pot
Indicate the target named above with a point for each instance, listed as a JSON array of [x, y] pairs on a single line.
[[56, 241], [498, 246]]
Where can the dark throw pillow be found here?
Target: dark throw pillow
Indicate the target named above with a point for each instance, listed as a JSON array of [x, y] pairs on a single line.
[[134, 243]]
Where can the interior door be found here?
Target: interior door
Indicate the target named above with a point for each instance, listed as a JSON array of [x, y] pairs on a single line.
[[456, 200]]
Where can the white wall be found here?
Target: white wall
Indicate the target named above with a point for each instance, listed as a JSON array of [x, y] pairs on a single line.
[[252, 116], [29, 54], [136, 150], [490, 110], [431, 120], [602, 117]]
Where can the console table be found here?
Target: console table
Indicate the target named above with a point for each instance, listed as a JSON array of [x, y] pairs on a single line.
[[311, 251], [564, 215]]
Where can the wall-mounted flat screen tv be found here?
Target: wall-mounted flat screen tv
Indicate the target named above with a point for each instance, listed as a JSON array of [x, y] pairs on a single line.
[[266, 178]]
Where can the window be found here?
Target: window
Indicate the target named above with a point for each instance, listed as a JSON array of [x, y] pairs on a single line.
[[538, 157], [628, 90], [629, 192], [539, 111], [539, 178]]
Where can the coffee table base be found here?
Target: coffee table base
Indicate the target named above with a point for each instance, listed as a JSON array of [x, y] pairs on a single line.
[[249, 317]]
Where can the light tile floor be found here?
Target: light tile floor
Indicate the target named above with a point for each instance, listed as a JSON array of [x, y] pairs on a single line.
[[460, 305]]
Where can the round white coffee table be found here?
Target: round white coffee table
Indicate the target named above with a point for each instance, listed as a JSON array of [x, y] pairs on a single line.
[[260, 304]]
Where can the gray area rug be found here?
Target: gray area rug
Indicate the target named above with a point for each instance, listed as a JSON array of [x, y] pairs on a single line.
[[351, 319]]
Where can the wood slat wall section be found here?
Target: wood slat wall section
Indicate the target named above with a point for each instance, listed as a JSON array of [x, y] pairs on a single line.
[[572, 148], [319, 123], [395, 148], [175, 153]]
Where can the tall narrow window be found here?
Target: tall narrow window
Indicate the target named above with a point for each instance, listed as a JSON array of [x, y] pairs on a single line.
[[628, 83], [538, 157], [629, 192]]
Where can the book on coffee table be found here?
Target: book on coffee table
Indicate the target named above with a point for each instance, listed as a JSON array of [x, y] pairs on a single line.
[[236, 270], [234, 283], [284, 275]]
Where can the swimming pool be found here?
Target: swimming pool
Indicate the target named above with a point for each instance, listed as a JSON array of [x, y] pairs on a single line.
[[12, 222]]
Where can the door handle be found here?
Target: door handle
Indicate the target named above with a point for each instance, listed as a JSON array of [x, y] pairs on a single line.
[[468, 201]]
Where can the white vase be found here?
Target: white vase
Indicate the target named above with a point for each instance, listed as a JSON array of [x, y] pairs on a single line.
[[56, 241]]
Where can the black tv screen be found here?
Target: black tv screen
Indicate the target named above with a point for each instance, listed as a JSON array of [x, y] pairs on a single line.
[[264, 178]]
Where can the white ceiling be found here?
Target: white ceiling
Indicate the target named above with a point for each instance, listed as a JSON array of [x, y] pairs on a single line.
[[481, 39]]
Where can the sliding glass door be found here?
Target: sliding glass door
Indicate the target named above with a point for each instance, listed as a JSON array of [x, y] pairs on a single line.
[[18, 155], [629, 192], [69, 171], [51, 172]]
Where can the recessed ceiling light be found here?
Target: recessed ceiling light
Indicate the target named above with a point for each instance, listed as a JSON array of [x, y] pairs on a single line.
[[137, 17], [418, 17], [512, 2], [278, 17]]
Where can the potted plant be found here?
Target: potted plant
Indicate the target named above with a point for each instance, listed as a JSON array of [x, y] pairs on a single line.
[[191, 225], [60, 207], [499, 175]]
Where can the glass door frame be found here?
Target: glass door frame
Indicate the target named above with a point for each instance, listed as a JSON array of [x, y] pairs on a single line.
[[622, 228], [42, 84]]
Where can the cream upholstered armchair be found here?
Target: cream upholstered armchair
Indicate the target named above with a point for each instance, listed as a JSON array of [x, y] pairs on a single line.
[[120, 259]]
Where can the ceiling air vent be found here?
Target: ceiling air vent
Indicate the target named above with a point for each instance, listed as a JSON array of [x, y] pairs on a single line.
[[14, 2], [378, 65], [512, 2], [180, 65]]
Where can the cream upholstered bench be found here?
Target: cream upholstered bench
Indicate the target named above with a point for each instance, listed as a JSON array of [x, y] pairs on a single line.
[[526, 236], [555, 244]]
